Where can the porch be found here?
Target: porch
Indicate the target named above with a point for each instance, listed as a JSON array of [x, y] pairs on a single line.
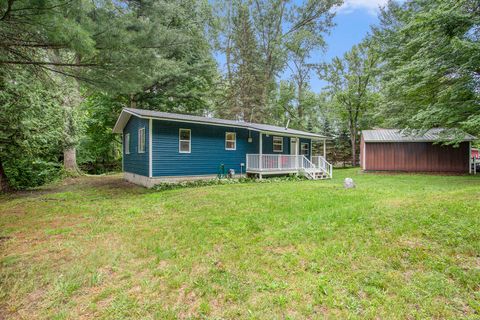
[[272, 164]]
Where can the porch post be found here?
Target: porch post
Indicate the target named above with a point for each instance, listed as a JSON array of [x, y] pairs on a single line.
[[260, 150], [324, 149], [470, 158]]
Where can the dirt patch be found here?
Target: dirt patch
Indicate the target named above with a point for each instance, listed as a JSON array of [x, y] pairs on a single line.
[[4, 238], [187, 303], [109, 182]]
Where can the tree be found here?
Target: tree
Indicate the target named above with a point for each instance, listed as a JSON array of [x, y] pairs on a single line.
[[351, 80], [430, 58], [99, 149], [152, 51], [30, 131], [278, 22], [299, 48], [243, 95], [277, 26]]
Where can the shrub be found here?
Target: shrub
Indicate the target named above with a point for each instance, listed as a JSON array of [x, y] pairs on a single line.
[[29, 173], [163, 186]]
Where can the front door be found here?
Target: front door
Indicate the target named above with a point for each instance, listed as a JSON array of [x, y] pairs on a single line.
[[293, 146]]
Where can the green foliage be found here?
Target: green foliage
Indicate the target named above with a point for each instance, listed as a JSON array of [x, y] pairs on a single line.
[[183, 71], [213, 182], [430, 52], [259, 39], [112, 54], [30, 130], [100, 150], [352, 89]]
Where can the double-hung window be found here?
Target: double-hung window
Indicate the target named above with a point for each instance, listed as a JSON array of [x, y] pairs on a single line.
[[184, 141], [141, 140], [277, 144], [230, 141], [127, 143], [304, 149]]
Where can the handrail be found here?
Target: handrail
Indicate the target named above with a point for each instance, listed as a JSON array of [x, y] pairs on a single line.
[[288, 163], [323, 164]]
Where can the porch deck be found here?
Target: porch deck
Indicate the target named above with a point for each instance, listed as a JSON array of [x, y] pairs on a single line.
[[271, 164]]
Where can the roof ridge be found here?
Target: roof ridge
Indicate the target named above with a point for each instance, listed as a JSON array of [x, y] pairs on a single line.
[[217, 121], [205, 117]]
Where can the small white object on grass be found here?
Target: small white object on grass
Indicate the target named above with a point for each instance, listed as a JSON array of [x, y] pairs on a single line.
[[348, 183]]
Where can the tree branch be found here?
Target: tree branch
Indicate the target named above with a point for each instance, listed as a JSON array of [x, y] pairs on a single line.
[[41, 63], [9, 9]]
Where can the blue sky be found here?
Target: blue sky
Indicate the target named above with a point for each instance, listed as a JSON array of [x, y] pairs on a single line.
[[353, 20]]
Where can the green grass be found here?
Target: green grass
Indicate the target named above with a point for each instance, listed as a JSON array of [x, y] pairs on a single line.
[[397, 246]]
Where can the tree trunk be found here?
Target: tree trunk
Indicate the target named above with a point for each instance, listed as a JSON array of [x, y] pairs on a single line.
[[4, 185], [300, 100], [71, 100], [133, 102], [353, 140], [70, 160]]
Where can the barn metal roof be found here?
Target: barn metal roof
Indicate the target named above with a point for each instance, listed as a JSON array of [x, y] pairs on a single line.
[[127, 112], [397, 135]]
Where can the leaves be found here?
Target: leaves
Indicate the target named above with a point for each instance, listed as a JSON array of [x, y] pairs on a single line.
[[430, 61]]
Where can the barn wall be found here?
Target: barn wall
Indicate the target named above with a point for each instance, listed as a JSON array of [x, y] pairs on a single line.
[[415, 157]]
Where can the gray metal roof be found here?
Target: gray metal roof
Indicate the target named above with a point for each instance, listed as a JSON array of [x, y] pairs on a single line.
[[397, 135], [127, 112]]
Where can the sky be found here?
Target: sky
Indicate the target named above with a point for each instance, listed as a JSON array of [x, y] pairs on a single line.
[[353, 20]]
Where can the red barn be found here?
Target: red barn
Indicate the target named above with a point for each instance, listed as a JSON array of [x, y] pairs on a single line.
[[393, 150]]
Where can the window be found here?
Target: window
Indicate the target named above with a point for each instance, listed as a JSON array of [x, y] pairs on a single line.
[[141, 140], [277, 144], [230, 141], [127, 143], [304, 149], [184, 140]]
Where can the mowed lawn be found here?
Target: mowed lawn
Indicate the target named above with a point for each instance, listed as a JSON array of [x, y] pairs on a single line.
[[397, 246]]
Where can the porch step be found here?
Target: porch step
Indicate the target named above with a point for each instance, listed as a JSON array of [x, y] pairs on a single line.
[[316, 175], [321, 175]]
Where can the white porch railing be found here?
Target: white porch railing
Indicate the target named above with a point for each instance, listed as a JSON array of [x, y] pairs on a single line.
[[273, 162], [323, 164], [278, 163]]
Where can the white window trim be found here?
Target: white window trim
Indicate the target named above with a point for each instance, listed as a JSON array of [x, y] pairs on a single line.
[[301, 148], [126, 141], [234, 140], [144, 140], [273, 144], [189, 141]]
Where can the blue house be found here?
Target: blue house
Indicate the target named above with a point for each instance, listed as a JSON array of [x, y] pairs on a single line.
[[160, 146]]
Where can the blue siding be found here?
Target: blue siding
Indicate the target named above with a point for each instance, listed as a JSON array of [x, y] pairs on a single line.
[[267, 143], [136, 162], [207, 149]]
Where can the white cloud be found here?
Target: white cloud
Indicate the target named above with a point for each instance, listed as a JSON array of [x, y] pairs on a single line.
[[371, 6]]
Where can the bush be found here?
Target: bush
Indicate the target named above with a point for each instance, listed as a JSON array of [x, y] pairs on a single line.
[[163, 186], [28, 173]]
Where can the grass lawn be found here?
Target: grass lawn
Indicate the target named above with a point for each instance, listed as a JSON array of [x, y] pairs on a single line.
[[397, 246]]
